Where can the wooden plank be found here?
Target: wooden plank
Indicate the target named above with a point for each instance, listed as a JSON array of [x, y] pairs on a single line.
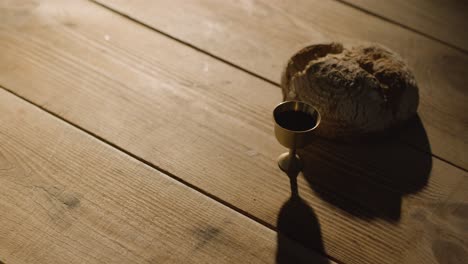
[[210, 125], [261, 35], [447, 223], [67, 198], [444, 20]]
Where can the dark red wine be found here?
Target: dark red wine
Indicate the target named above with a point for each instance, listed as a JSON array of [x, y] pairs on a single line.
[[296, 120]]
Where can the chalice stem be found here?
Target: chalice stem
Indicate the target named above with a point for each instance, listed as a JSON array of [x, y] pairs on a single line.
[[294, 163], [292, 152]]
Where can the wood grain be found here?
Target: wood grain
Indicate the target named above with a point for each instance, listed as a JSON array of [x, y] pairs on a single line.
[[210, 125], [261, 35], [448, 224], [444, 20], [67, 198]]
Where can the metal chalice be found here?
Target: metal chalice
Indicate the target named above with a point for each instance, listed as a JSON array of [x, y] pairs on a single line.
[[295, 122]]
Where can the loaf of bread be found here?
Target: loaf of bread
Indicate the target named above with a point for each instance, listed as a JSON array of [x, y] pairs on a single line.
[[358, 90]]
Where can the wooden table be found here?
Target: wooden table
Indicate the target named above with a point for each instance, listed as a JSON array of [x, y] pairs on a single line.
[[141, 132]]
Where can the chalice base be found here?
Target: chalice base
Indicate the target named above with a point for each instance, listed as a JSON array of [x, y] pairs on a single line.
[[289, 163]]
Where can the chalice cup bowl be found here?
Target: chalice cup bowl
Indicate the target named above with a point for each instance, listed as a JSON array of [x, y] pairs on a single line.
[[295, 122]]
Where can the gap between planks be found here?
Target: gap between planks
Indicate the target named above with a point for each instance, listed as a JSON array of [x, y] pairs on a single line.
[[391, 21], [171, 175], [141, 23]]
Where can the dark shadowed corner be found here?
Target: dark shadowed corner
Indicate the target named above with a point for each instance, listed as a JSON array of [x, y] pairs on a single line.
[[369, 179], [297, 223]]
